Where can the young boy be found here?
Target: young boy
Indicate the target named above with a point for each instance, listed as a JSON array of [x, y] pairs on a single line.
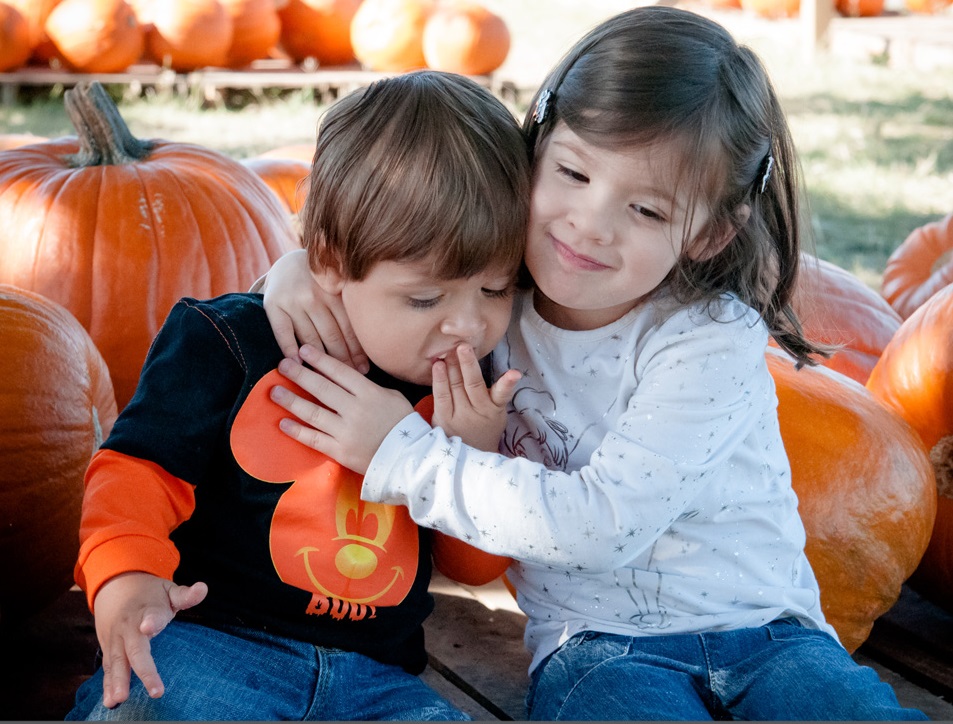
[[242, 567]]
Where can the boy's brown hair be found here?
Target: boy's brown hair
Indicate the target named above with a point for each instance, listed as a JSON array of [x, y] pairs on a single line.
[[421, 165]]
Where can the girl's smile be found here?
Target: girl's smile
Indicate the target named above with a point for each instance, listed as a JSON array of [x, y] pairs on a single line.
[[606, 227]]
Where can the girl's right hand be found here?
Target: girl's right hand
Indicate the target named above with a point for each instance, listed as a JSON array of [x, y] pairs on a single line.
[[301, 312]]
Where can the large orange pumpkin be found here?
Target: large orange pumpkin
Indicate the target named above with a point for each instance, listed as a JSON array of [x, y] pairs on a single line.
[[319, 29], [36, 12], [914, 377], [15, 47], [865, 487], [188, 34], [388, 35], [837, 308], [117, 229], [96, 36], [919, 267], [255, 30], [465, 37], [56, 406]]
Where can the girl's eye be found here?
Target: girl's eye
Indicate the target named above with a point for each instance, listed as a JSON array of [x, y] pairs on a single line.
[[570, 174], [423, 303], [646, 212]]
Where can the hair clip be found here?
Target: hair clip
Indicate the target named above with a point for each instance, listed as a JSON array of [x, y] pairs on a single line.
[[542, 106], [766, 176]]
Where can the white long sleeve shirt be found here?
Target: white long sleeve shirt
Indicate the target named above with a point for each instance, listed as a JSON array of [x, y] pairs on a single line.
[[643, 487]]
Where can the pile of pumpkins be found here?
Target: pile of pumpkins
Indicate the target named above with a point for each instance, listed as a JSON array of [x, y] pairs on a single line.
[[773, 9], [108, 36], [103, 232]]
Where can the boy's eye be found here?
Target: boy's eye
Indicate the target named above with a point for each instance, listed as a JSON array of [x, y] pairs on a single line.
[[571, 174], [498, 293], [423, 303]]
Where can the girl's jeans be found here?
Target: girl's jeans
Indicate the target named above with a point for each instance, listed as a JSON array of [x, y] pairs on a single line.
[[777, 672], [211, 675]]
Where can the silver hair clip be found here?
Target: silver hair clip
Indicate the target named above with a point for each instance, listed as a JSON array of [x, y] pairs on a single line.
[[766, 176], [542, 106]]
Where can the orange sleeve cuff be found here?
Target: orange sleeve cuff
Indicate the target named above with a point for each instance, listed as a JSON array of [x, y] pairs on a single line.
[[130, 508]]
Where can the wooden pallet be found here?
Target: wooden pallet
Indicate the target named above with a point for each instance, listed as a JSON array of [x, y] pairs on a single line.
[[207, 84], [477, 659]]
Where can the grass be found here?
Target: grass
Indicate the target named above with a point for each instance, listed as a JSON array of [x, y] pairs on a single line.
[[876, 142]]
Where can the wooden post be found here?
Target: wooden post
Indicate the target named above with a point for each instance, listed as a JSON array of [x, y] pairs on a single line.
[[816, 17]]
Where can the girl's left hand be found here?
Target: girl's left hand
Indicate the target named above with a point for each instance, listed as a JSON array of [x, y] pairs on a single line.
[[355, 414], [463, 405]]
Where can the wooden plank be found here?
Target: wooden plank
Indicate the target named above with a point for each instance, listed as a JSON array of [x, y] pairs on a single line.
[[915, 639], [475, 640]]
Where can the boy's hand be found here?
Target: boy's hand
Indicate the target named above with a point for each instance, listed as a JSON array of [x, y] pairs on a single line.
[[300, 311], [354, 416], [464, 406], [130, 609]]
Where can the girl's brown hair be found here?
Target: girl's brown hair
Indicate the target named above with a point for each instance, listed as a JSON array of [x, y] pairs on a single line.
[[424, 165], [659, 74]]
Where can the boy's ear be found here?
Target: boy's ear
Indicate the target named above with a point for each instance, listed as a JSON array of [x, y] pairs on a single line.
[[712, 246], [329, 278]]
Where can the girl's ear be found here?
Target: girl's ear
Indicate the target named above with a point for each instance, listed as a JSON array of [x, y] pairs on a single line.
[[713, 244]]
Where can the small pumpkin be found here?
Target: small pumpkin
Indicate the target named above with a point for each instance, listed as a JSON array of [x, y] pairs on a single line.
[[914, 377], [859, 8], [96, 36], [772, 9], [15, 140], [15, 47], [465, 37], [117, 229], [919, 267], [56, 407], [865, 487], [388, 35], [185, 35], [836, 308], [927, 7], [255, 30], [288, 178], [297, 151], [319, 29]]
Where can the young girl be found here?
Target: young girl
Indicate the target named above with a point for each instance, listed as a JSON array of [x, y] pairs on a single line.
[[643, 486]]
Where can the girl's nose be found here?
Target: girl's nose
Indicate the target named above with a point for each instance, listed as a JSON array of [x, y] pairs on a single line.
[[592, 221]]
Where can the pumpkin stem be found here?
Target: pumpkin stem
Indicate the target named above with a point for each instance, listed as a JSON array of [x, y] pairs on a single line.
[[104, 137], [942, 458]]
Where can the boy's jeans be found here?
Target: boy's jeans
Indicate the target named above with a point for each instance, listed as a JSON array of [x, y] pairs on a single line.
[[210, 675], [777, 672]]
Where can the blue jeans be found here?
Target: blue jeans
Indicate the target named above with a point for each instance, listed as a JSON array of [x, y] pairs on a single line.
[[777, 672], [245, 674]]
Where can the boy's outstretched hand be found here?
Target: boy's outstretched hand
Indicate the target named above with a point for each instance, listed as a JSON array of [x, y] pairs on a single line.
[[130, 609], [463, 405]]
